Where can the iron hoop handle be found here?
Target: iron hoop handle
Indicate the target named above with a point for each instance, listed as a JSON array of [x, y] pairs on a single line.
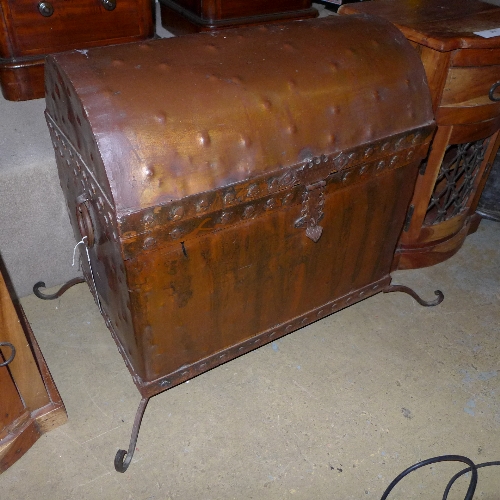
[[492, 91], [85, 223], [12, 354]]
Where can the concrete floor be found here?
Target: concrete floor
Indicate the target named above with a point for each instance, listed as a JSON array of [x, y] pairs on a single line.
[[335, 410]]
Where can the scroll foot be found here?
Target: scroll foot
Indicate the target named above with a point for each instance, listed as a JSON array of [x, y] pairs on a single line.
[[409, 291], [66, 286], [122, 457]]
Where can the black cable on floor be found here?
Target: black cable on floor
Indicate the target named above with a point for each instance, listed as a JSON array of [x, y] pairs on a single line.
[[461, 473], [445, 458]]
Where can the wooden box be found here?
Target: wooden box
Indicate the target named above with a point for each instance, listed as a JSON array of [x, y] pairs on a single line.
[[189, 16], [258, 182], [30, 402], [29, 30], [463, 71]]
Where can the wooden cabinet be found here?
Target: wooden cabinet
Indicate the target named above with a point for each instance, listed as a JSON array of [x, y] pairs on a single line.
[[29, 403], [463, 72], [189, 16], [30, 29]]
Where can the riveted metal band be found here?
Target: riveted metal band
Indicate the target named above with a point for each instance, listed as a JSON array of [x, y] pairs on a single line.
[[212, 211]]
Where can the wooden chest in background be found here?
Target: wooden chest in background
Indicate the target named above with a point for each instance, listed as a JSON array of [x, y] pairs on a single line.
[[189, 16], [30, 29]]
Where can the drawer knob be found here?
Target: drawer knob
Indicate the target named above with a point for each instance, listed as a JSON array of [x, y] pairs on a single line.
[[46, 9], [492, 91], [109, 4]]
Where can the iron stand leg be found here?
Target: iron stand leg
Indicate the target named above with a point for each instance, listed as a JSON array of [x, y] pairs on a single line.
[[123, 458], [59, 292], [409, 291]]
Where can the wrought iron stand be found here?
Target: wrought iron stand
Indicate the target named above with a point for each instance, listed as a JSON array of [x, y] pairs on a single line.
[[123, 458]]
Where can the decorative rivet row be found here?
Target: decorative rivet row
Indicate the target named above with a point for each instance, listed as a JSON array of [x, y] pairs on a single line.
[[85, 179], [303, 173], [190, 220]]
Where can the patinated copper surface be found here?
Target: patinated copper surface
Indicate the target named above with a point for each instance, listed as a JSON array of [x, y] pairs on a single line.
[[222, 119], [240, 184]]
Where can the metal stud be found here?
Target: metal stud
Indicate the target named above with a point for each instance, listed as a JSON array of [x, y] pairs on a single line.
[[252, 190], [249, 211], [224, 218], [270, 204], [202, 205], [272, 184], [149, 243], [369, 151], [287, 178], [229, 197], [400, 142], [148, 218], [176, 213], [175, 233]]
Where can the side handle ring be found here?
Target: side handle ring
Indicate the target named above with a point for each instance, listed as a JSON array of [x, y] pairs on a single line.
[[492, 92], [12, 353], [85, 223]]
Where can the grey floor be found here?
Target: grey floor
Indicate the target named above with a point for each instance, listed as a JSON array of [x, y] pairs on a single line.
[[333, 411]]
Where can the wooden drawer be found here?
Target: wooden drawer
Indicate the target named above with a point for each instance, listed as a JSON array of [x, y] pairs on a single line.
[[475, 57], [214, 10], [231, 8], [470, 84], [84, 23], [191, 16]]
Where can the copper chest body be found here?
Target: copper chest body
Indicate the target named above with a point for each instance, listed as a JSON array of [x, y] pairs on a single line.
[[235, 186]]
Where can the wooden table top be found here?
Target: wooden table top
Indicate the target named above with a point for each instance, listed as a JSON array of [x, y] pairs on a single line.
[[443, 25]]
